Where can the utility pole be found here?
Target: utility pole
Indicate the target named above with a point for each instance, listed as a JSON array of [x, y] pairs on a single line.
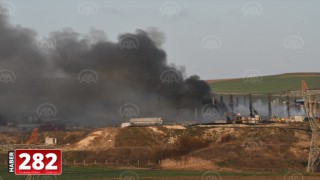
[[250, 105], [237, 101], [269, 106], [159, 108], [288, 106], [231, 102], [196, 113]]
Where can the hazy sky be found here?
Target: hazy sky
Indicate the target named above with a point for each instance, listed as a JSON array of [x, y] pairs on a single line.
[[212, 38]]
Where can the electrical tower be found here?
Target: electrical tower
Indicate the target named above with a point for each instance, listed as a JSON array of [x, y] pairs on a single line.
[[308, 96], [314, 159]]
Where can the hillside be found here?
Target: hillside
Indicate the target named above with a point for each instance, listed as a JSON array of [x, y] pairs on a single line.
[[227, 148], [235, 151], [266, 84]]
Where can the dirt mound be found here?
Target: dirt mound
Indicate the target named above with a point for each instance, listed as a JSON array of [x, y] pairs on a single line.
[[13, 138], [65, 137], [216, 147], [174, 127], [97, 140]]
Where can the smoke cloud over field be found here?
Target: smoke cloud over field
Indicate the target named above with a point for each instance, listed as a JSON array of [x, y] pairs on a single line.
[[89, 79]]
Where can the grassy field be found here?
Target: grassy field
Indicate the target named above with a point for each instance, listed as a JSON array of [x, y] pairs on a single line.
[[96, 172], [266, 84]]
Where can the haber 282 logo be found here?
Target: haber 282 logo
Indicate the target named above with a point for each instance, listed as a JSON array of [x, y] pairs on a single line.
[[36, 162]]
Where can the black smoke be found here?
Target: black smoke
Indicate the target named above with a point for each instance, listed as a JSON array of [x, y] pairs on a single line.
[[88, 78]]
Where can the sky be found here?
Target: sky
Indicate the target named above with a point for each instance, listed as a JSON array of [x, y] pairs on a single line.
[[214, 39]]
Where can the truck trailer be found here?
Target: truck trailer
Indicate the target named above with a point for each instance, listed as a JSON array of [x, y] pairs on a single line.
[[143, 122]]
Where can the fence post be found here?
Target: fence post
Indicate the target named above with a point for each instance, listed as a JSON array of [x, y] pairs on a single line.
[[138, 162], [84, 162], [74, 162], [106, 162], [95, 162]]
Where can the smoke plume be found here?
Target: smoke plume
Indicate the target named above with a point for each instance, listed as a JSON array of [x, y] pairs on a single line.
[[88, 79]]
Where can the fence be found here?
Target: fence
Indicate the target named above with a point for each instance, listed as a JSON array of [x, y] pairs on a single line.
[[11, 147]]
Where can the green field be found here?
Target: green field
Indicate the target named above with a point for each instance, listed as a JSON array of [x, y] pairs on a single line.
[[96, 172], [266, 84]]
